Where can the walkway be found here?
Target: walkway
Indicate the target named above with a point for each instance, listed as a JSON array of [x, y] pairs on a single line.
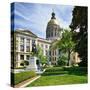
[[26, 82]]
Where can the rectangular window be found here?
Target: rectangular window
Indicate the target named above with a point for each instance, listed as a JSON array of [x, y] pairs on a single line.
[[46, 52], [28, 42], [55, 52], [27, 48], [21, 44], [54, 58], [22, 48], [42, 45], [16, 45], [27, 57], [59, 51], [28, 45], [21, 57], [22, 40], [55, 32], [46, 46], [33, 41], [50, 53]]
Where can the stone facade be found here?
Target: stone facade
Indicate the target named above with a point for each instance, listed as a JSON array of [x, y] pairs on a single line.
[[23, 41]]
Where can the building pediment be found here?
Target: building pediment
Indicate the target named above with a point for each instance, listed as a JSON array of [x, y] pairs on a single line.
[[26, 32]]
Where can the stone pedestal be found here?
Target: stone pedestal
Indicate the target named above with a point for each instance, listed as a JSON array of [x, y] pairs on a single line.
[[33, 64]]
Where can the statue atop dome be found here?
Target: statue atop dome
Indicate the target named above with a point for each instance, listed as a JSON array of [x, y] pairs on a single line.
[[53, 20], [53, 15]]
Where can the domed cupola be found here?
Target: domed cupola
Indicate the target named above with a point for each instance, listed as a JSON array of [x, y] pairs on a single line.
[[53, 29], [53, 20]]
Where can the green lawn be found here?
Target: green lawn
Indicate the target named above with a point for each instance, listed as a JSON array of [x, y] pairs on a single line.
[[61, 76], [22, 76], [59, 80]]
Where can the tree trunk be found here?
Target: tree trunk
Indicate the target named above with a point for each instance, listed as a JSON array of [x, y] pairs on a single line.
[[68, 63]]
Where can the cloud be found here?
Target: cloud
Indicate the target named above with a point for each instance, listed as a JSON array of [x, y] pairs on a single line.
[[36, 16]]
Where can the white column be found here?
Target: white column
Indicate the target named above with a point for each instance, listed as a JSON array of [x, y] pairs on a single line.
[[24, 44], [18, 59], [30, 45], [19, 44], [24, 56]]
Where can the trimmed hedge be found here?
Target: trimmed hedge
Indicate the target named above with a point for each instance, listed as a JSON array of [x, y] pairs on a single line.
[[76, 70], [19, 77], [54, 73], [65, 70], [54, 69]]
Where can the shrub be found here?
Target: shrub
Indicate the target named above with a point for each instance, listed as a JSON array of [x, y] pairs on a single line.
[[19, 77], [65, 70], [26, 63], [22, 64], [62, 61], [76, 70], [54, 73], [54, 69]]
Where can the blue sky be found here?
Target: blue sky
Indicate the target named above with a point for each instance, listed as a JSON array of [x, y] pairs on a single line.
[[35, 17]]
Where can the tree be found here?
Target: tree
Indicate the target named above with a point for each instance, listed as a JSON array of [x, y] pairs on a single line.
[[39, 54], [62, 60], [79, 21], [65, 44]]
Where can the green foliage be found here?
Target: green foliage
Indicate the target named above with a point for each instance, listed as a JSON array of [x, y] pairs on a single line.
[[24, 63], [79, 20], [53, 69], [66, 43], [59, 80], [21, 64], [76, 70], [62, 61], [43, 59], [54, 73], [66, 70], [19, 77]]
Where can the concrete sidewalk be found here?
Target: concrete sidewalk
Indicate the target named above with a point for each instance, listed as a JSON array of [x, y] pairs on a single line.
[[26, 82]]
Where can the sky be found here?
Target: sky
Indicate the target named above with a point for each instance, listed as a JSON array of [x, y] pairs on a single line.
[[34, 17]]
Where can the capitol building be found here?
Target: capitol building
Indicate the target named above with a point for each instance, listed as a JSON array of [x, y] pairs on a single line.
[[22, 42]]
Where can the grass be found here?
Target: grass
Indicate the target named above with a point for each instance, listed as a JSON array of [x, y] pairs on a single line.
[[61, 76], [59, 80], [19, 77]]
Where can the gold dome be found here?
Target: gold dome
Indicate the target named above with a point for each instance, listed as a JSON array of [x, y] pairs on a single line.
[[53, 21]]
